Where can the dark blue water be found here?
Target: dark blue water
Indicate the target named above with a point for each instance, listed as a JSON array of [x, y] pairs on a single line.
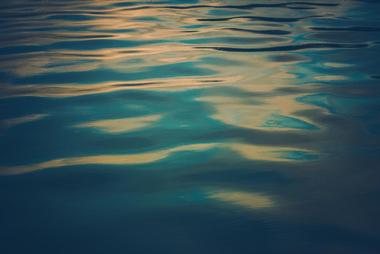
[[193, 127]]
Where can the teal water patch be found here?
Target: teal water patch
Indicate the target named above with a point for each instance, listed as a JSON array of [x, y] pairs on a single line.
[[224, 13], [147, 19], [280, 121], [349, 106], [320, 100], [232, 40], [195, 26], [56, 134], [220, 61], [297, 155]]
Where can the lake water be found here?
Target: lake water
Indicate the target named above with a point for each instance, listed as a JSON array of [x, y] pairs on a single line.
[[191, 127]]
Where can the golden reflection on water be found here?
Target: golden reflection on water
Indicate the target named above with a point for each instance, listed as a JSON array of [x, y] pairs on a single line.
[[247, 151], [330, 77], [121, 125], [264, 153], [249, 200], [129, 159], [263, 84], [338, 65], [169, 42], [251, 114]]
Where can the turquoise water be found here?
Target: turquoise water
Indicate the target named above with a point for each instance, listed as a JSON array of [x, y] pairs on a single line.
[[189, 126]]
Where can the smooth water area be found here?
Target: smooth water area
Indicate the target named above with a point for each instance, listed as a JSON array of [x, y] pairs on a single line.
[[193, 127]]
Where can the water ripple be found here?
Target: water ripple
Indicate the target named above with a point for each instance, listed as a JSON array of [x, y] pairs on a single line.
[[292, 47], [214, 125]]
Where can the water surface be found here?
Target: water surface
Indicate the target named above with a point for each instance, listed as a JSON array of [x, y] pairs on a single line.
[[189, 126]]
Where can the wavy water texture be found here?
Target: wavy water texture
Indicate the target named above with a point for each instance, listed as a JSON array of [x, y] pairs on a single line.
[[171, 126]]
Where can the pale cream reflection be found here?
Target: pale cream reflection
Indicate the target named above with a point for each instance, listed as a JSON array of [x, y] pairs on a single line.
[[21, 120], [249, 200], [251, 114], [128, 159], [338, 65], [265, 153], [330, 77], [121, 125], [262, 78], [246, 151]]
